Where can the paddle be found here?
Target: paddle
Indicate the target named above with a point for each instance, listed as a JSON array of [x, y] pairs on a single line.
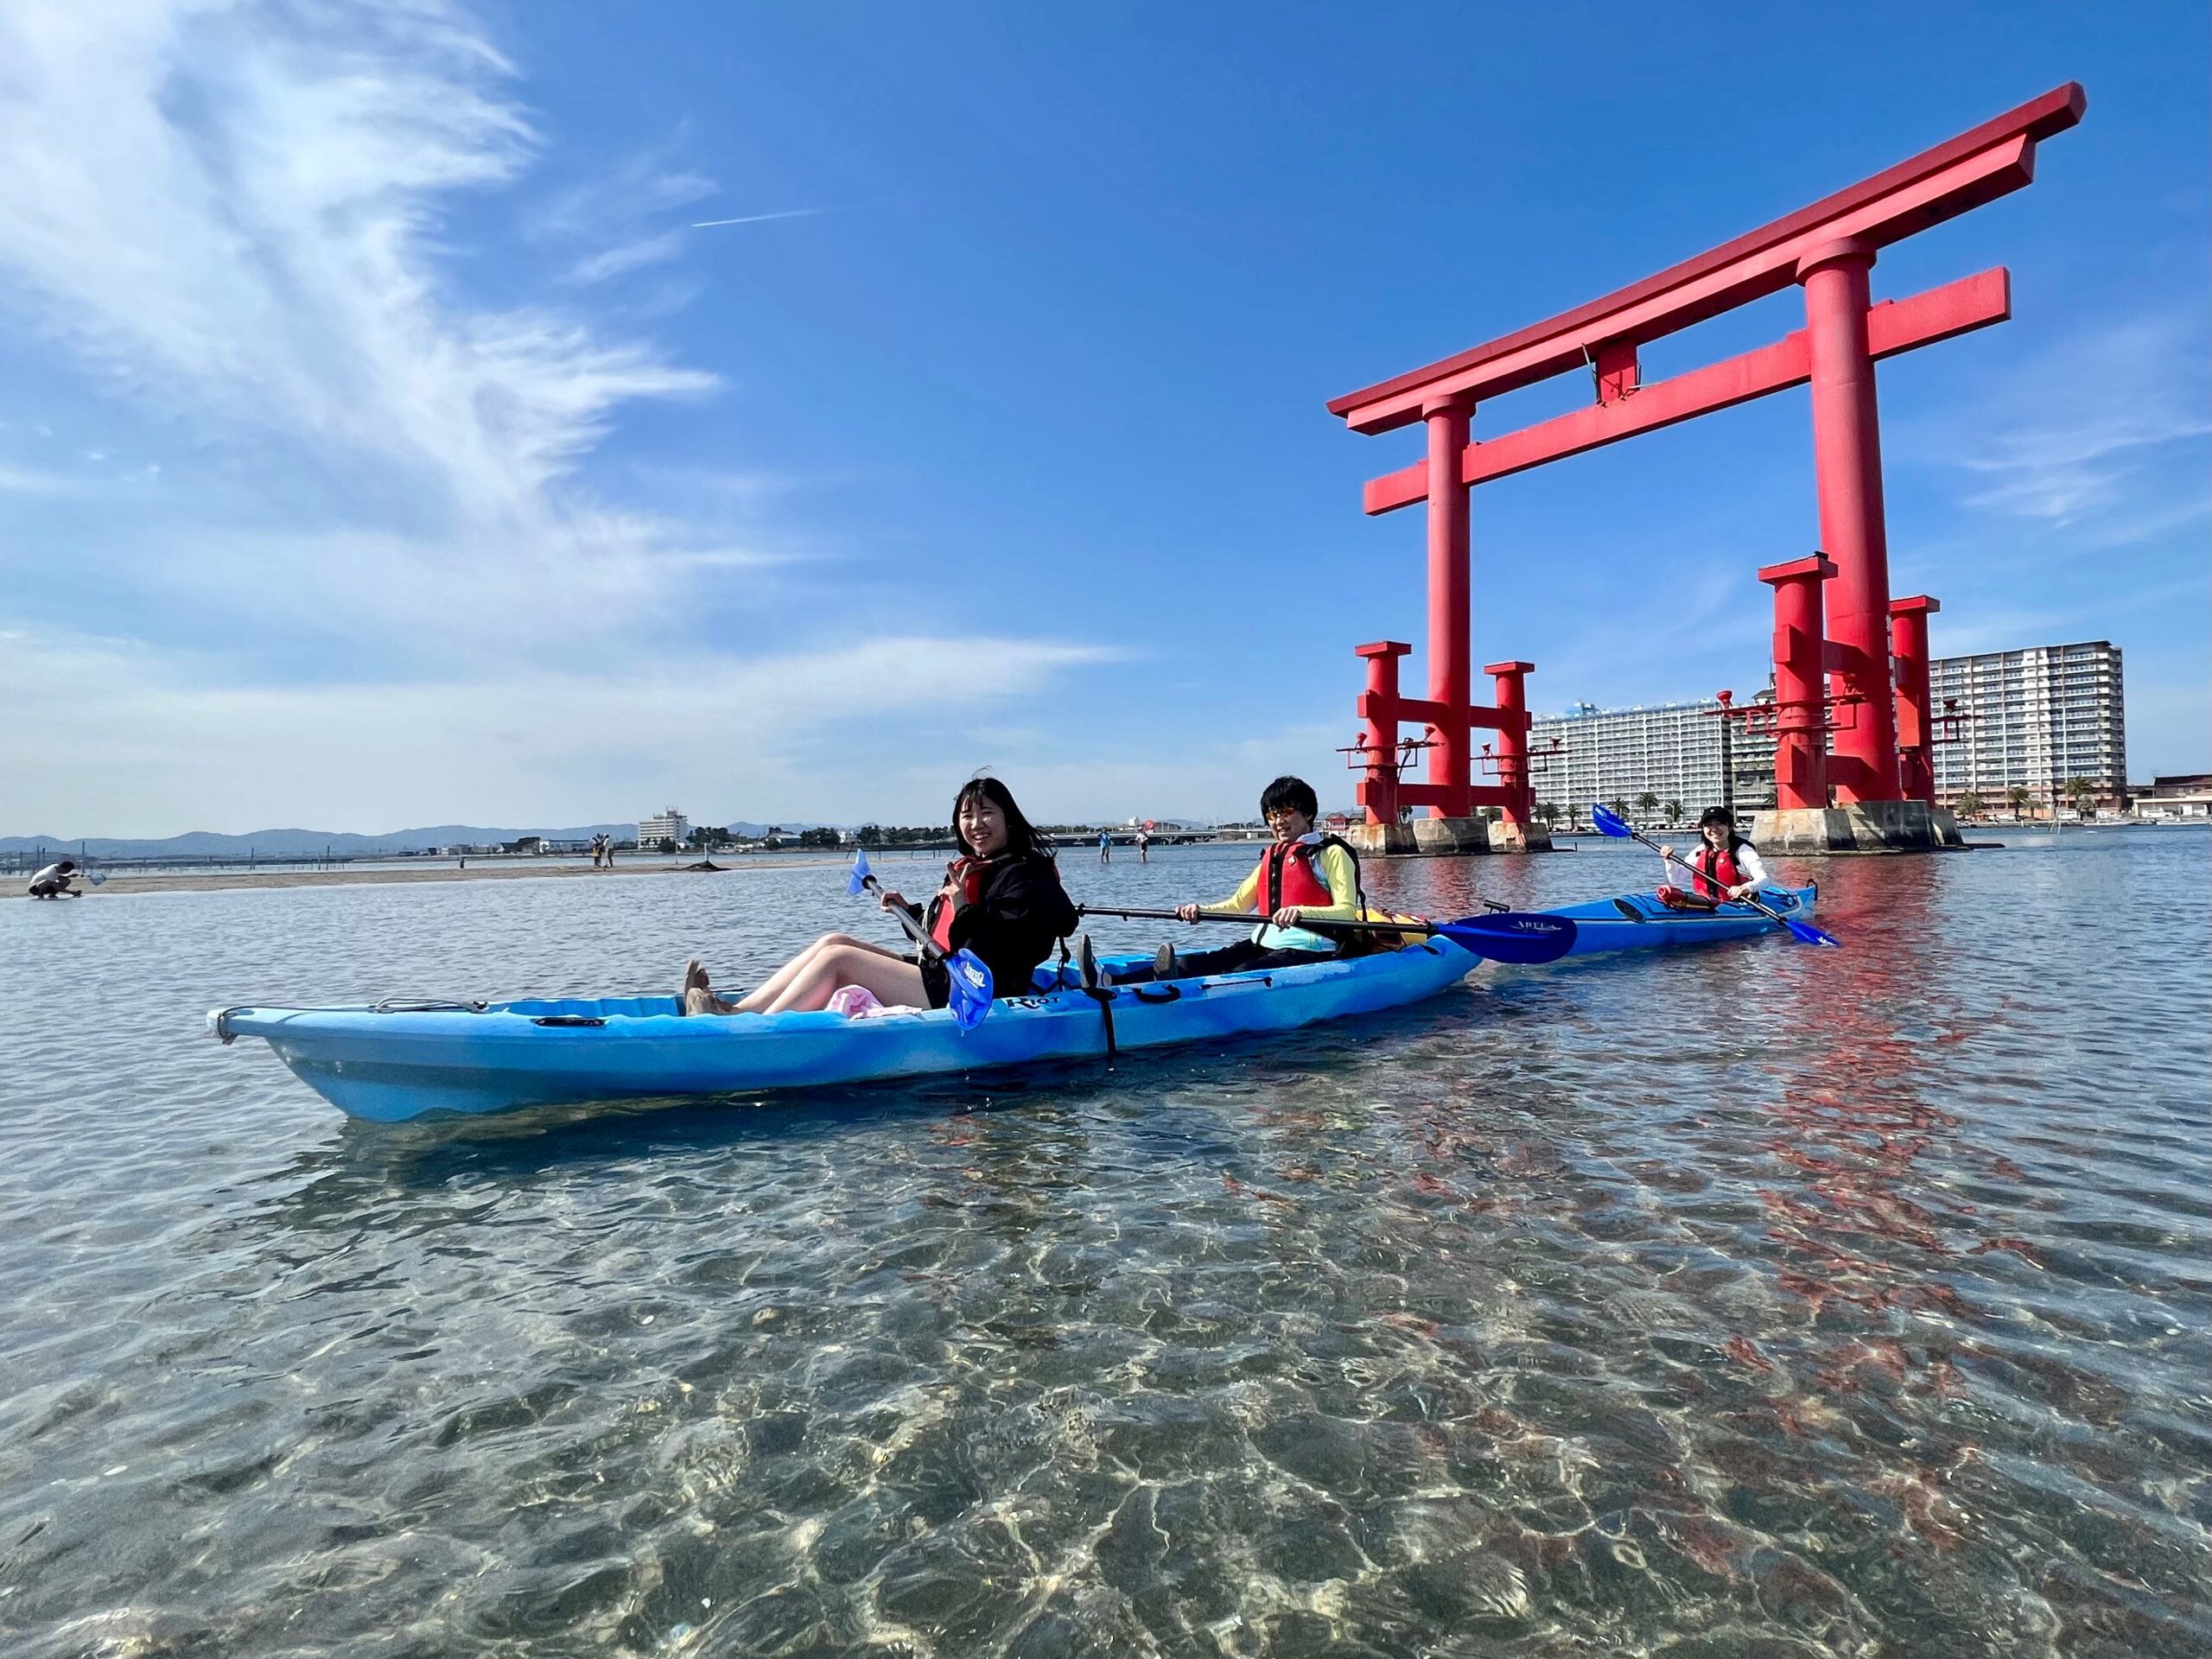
[[1502, 936], [1612, 824], [971, 988]]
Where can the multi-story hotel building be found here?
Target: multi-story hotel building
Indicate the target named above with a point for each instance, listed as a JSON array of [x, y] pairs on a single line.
[[2034, 719], [670, 825], [1678, 752]]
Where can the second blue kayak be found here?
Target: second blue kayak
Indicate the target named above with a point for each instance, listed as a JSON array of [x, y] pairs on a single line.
[[1638, 921]]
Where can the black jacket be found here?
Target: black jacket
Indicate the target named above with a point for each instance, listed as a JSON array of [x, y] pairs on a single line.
[[1014, 926]]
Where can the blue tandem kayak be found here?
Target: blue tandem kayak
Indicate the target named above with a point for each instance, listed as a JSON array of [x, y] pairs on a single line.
[[394, 1061], [397, 1061]]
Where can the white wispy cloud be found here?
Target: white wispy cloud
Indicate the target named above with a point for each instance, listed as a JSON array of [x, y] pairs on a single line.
[[2070, 434], [234, 212], [184, 745], [247, 218], [758, 218], [624, 257]]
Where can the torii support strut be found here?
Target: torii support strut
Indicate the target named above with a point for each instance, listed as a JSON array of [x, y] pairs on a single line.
[[1828, 249]]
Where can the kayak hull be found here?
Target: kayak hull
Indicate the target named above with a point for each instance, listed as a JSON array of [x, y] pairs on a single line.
[[1601, 926], [397, 1064]]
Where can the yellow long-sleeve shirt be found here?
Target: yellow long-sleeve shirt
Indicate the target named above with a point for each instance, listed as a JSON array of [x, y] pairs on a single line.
[[1337, 873]]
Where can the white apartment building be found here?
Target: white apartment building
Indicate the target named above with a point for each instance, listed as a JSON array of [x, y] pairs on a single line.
[[2033, 720], [1679, 752], [670, 825]]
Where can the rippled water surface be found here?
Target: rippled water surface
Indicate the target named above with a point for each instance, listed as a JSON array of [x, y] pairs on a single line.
[[1753, 1301]]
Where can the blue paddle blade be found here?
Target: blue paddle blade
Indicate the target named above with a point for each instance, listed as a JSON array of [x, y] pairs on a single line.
[[1810, 934], [1512, 935], [971, 989], [1609, 822], [857, 882]]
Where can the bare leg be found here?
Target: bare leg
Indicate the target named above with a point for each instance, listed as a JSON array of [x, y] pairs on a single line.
[[896, 983], [763, 1001]]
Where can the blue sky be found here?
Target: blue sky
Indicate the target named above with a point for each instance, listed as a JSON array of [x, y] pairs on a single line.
[[386, 435]]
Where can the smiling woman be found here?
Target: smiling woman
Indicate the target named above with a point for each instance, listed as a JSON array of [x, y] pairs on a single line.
[[1002, 898]]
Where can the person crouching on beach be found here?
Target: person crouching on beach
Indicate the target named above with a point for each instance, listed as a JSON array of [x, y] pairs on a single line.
[[1303, 875], [1724, 867], [52, 882], [1001, 899]]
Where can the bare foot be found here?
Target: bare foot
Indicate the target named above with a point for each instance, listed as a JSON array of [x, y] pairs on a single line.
[[696, 995]]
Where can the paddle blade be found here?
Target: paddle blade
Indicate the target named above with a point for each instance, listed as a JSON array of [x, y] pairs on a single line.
[[1609, 822], [857, 882], [971, 992], [1807, 933], [1512, 935]]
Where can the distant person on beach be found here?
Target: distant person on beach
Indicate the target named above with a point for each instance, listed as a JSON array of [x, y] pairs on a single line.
[[1001, 899], [1724, 867], [52, 882], [1105, 847]]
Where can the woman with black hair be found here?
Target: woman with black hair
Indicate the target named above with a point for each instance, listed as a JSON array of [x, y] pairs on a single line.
[[1724, 866], [1001, 899]]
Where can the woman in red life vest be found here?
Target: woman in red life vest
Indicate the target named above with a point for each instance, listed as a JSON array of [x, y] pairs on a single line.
[[1002, 898], [1726, 866], [1303, 875]]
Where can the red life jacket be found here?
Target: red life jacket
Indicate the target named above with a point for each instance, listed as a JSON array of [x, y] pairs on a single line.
[[1288, 874], [1716, 871], [967, 878]]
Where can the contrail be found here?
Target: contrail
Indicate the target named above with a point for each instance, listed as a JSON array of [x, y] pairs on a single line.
[[755, 219]]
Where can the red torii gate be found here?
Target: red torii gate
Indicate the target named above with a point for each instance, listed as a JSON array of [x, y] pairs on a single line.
[[1828, 249]]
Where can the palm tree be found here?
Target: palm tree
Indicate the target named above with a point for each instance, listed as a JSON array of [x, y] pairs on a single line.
[[1647, 803], [2082, 794], [1547, 813], [1674, 813], [1619, 806], [1969, 806], [2017, 797]]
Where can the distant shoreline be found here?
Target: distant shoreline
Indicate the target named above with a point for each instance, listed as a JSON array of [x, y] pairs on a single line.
[[187, 881]]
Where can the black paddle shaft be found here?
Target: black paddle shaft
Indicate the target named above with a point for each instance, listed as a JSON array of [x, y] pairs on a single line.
[[1674, 857], [1253, 918], [910, 919]]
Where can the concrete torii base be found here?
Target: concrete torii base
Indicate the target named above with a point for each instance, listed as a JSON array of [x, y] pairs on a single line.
[[1447, 837], [1862, 826]]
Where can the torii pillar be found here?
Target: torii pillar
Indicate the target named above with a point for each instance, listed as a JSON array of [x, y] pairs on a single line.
[[1915, 721], [1847, 476]]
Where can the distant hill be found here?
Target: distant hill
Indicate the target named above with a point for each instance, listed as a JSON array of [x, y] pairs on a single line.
[[298, 844]]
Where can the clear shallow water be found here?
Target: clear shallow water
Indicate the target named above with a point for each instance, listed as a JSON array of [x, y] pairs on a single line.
[[1753, 1301]]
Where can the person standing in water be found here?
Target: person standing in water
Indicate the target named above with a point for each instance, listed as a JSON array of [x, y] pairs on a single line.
[[1724, 867], [1105, 846]]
